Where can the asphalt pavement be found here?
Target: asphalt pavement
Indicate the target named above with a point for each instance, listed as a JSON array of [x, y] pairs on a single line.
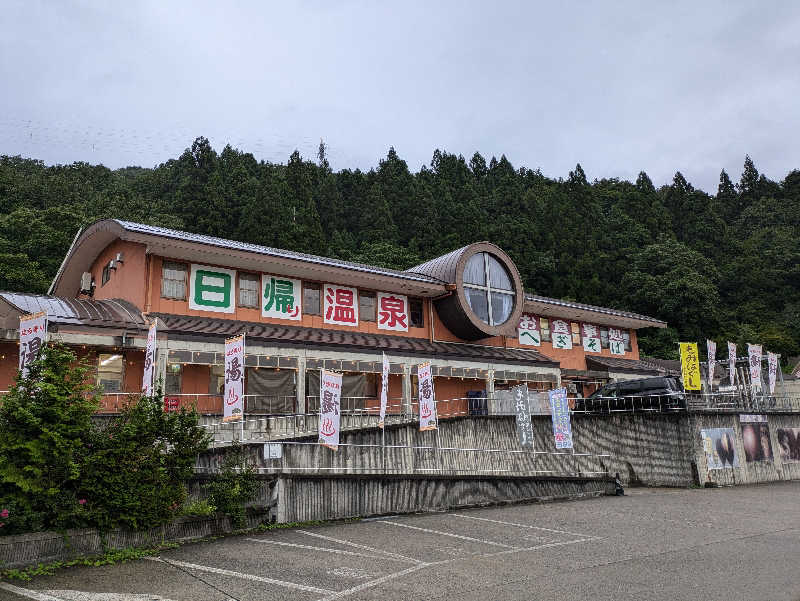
[[711, 544]]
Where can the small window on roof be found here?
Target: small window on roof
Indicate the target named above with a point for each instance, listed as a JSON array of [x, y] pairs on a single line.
[[366, 306], [311, 298], [416, 313], [106, 275], [249, 289]]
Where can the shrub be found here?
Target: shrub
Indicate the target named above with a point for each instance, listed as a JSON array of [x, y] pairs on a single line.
[[45, 430], [235, 485]]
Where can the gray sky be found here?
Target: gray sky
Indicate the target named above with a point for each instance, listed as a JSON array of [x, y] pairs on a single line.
[[619, 87]]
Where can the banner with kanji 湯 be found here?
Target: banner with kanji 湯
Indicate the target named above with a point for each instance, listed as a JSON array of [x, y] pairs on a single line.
[[528, 330], [427, 402], [330, 396], [384, 390], [281, 297], [234, 379], [32, 336], [591, 338], [340, 305], [149, 361]]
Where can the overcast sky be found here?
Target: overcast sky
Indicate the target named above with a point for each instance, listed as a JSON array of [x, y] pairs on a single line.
[[619, 87]]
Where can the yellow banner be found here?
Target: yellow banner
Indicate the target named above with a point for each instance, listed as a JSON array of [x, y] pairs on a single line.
[[690, 366]]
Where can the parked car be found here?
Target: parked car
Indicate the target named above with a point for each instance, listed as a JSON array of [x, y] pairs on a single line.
[[662, 393]]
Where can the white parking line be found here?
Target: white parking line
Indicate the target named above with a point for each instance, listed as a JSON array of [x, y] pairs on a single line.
[[357, 546], [325, 549], [23, 592], [460, 536], [472, 517], [544, 546], [194, 566], [349, 591]]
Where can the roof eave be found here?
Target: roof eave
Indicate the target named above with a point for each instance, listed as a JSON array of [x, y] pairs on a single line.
[[586, 313]]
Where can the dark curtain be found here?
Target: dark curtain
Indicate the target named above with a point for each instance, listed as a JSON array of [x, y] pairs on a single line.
[[275, 390]]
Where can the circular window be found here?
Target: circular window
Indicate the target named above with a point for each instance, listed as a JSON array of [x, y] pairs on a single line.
[[489, 289]]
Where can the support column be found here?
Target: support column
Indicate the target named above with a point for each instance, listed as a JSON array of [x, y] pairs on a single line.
[[300, 385], [407, 389]]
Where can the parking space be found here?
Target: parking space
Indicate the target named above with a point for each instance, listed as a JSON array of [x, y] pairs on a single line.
[[738, 543]]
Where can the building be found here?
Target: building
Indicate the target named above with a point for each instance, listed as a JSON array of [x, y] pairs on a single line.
[[466, 312]]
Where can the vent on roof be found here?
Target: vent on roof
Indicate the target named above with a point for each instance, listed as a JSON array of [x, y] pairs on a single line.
[[87, 284]]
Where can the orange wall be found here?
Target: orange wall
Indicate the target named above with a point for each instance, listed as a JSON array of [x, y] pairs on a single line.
[[127, 281], [8, 364]]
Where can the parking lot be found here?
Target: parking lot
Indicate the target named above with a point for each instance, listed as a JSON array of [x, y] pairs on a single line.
[[730, 543]]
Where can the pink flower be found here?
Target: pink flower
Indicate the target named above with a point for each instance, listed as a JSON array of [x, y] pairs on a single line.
[[82, 501], [2, 524], [4, 513]]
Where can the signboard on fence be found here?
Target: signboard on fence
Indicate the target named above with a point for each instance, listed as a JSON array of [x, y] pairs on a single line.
[[789, 444], [32, 336], [171, 403], [330, 397], [427, 402], [719, 448], [690, 366], [384, 390], [149, 361], [755, 438], [562, 427], [234, 379], [524, 425]]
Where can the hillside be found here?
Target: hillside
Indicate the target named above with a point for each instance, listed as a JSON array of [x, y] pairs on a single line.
[[724, 265]]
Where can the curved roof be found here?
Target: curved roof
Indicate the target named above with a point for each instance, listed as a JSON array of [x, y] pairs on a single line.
[[73, 311], [555, 307]]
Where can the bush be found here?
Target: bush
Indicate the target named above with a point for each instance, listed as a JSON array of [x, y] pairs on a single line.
[[59, 470], [200, 508], [45, 432], [234, 486]]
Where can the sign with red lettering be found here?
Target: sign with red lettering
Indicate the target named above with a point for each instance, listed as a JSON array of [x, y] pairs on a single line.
[[341, 305], [591, 338], [32, 336], [233, 402], [528, 330], [171, 403], [427, 401], [392, 312], [330, 395]]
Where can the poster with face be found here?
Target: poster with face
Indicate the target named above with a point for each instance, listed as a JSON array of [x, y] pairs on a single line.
[[789, 444], [756, 442], [719, 447]]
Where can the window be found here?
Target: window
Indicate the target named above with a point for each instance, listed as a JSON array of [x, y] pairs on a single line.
[[626, 335], [109, 372], [416, 314], [216, 382], [173, 280], [576, 333], [106, 275], [488, 288], [249, 289], [174, 377], [544, 327], [311, 299], [366, 306], [603, 337]]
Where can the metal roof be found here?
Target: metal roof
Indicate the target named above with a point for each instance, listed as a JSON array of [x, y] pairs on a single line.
[[584, 307], [627, 365], [295, 335], [73, 311], [272, 252]]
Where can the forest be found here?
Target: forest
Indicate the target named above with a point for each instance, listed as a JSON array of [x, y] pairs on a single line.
[[722, 265]]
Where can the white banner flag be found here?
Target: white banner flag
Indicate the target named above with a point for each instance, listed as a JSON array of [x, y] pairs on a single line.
[[732, 361], [754, 357], [234, 379], [712, 361], [384, 390], [427, 402], [149, 361], [330, 395], [772, 366], [32, 336]]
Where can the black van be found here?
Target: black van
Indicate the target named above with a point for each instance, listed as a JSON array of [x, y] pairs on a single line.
[[662, 393]]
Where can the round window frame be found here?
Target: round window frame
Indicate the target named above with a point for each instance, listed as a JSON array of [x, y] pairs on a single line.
[[505, 328]]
